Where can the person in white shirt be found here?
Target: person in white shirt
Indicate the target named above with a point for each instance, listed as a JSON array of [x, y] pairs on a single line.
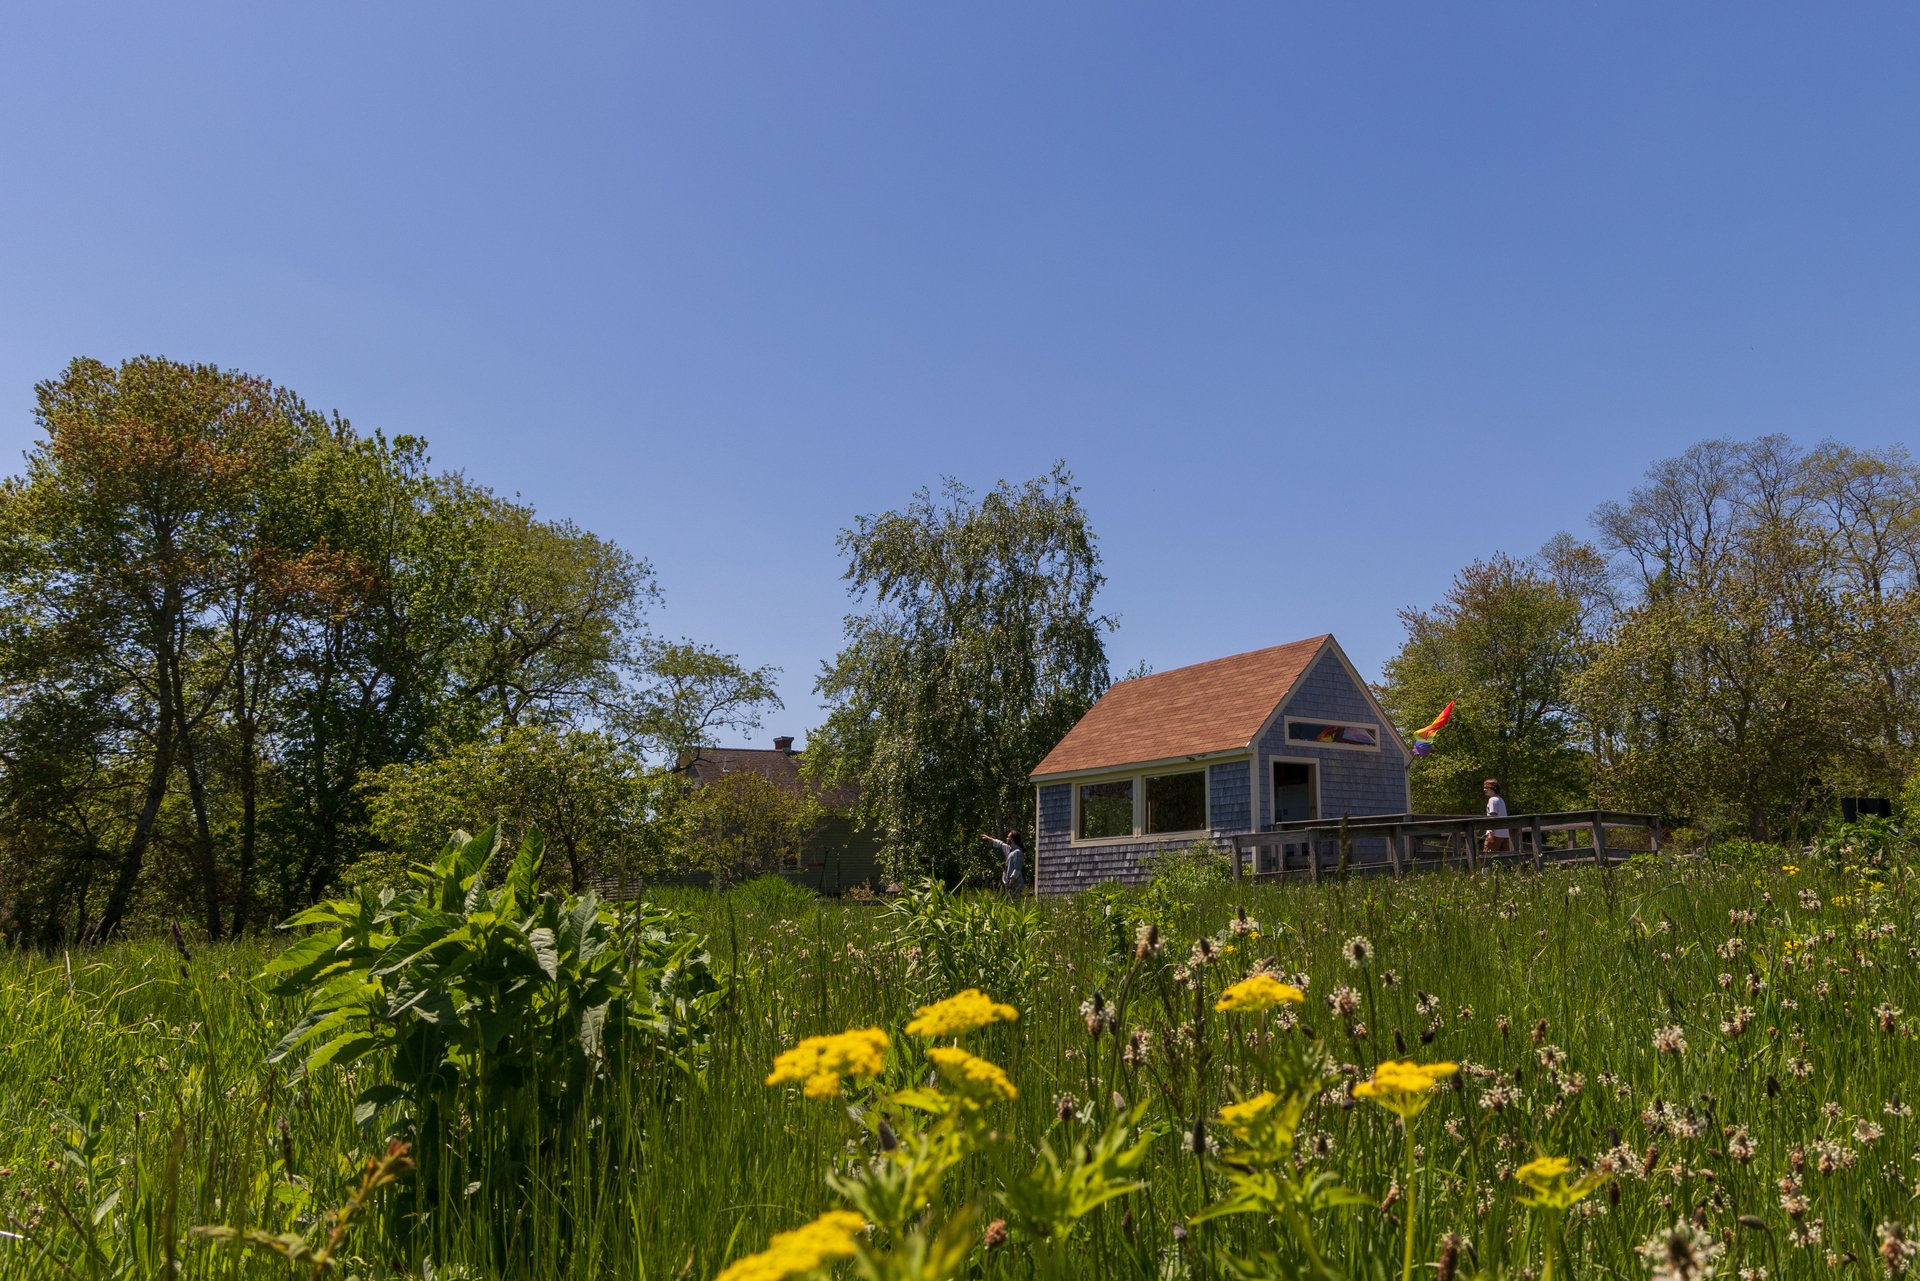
[[1500, 839]]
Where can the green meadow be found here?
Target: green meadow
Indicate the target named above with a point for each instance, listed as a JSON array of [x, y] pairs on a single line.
[[1722, 1047]]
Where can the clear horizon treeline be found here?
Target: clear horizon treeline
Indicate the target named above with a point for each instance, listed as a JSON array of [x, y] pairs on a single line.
[[249, 655], [1736, 647], [236, 634]]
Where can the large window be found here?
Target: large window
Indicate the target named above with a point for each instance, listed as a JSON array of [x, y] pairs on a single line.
[[1143, 805], [1106, 809], [1176, 802], [1332, 734]]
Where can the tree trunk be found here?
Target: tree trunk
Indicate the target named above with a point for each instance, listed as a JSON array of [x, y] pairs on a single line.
[[249, 827], [203, 837], [121, 892]]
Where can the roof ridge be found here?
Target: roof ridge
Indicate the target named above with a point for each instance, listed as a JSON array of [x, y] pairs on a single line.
[[1206, 707], [1227, 658]]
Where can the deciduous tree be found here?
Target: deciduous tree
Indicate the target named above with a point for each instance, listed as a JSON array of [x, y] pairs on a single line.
[[980, 646]]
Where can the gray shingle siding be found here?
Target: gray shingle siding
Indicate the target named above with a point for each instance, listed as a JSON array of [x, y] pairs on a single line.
[[1063, 867], [1229, 797], [1352, 781]]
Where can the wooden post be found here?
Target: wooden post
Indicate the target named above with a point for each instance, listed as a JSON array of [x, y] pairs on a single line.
[[1539, 845], [1393, 848], [1237, 851], [1473, 851], [1599, 841], [1313, 856], [1653, 834]]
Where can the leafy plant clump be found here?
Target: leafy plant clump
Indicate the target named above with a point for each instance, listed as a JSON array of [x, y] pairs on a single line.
[[494, 1019], [949, 941]]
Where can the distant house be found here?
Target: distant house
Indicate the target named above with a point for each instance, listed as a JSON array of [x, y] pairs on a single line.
[[837, 856], [1227, 746]]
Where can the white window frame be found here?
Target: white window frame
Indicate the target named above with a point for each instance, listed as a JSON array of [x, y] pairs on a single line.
[[1296, 744], [1138, 777]]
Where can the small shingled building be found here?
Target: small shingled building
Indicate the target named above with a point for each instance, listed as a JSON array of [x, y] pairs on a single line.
[[1203, 752]]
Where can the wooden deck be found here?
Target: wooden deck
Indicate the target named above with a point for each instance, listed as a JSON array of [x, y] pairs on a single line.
[[1417, 841]]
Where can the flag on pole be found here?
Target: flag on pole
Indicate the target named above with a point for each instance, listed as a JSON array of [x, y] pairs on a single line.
[[1423, 738]]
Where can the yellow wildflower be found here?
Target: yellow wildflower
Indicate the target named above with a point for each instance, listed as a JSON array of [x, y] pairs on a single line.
[[1546, 1178], [803, 1250], [1403, 1086], [821, 1062], [1239, 1119], [970, 1075], [960, 1013], [1261, 992], [1542, 1169], [1790, 869]]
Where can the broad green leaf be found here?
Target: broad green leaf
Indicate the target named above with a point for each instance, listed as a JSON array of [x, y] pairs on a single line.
[[344, 1049], [541, 941]]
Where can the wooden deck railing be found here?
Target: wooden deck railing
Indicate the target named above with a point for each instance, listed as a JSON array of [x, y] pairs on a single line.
[[1413, 841]]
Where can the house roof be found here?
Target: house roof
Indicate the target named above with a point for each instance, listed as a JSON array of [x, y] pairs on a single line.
[[710, 764], [1211, 707]]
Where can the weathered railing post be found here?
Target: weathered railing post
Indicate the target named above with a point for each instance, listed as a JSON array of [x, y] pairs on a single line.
[[1599, 840], [1539, 845]]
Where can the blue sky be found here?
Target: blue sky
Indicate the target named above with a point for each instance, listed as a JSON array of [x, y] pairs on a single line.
[[1319, 302]]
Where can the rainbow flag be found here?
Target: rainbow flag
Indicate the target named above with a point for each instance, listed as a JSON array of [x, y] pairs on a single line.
[[1423, 738]]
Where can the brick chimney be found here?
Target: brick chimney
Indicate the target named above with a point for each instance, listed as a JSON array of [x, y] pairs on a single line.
[[784, 744]]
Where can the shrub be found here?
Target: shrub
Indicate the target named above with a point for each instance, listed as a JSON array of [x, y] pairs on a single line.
[[493, 1017], [1741, 852], [955, 941], [1870, 840]]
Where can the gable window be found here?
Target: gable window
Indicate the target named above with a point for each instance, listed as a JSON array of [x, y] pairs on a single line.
[[1176, 802], [1333, 734], [1106, 809]]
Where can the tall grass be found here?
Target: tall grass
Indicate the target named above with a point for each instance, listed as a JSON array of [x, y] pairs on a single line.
[[135, 1102]]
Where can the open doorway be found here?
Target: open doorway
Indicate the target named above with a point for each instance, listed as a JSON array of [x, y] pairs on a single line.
[[1296, 791]]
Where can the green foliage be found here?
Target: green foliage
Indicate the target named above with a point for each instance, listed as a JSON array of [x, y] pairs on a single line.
[[594, 804], [1762, 657], [691, 691], [744, 823], [1503, 647], [189, 1125], [1741, 852], [224, 614], [499, 1015], [980, 650], [1190, 873], [1869, 841], [775, 896], [952, 941]]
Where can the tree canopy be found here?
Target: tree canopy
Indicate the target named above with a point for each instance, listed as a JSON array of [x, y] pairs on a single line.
[[979, 648], [1739, 647], [223, 614]]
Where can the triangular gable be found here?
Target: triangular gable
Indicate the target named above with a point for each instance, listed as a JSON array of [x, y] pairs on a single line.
[[1366, 692], [1204, 710]]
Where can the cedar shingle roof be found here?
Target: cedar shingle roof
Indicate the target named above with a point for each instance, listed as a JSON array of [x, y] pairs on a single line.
[[1216, 706]]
